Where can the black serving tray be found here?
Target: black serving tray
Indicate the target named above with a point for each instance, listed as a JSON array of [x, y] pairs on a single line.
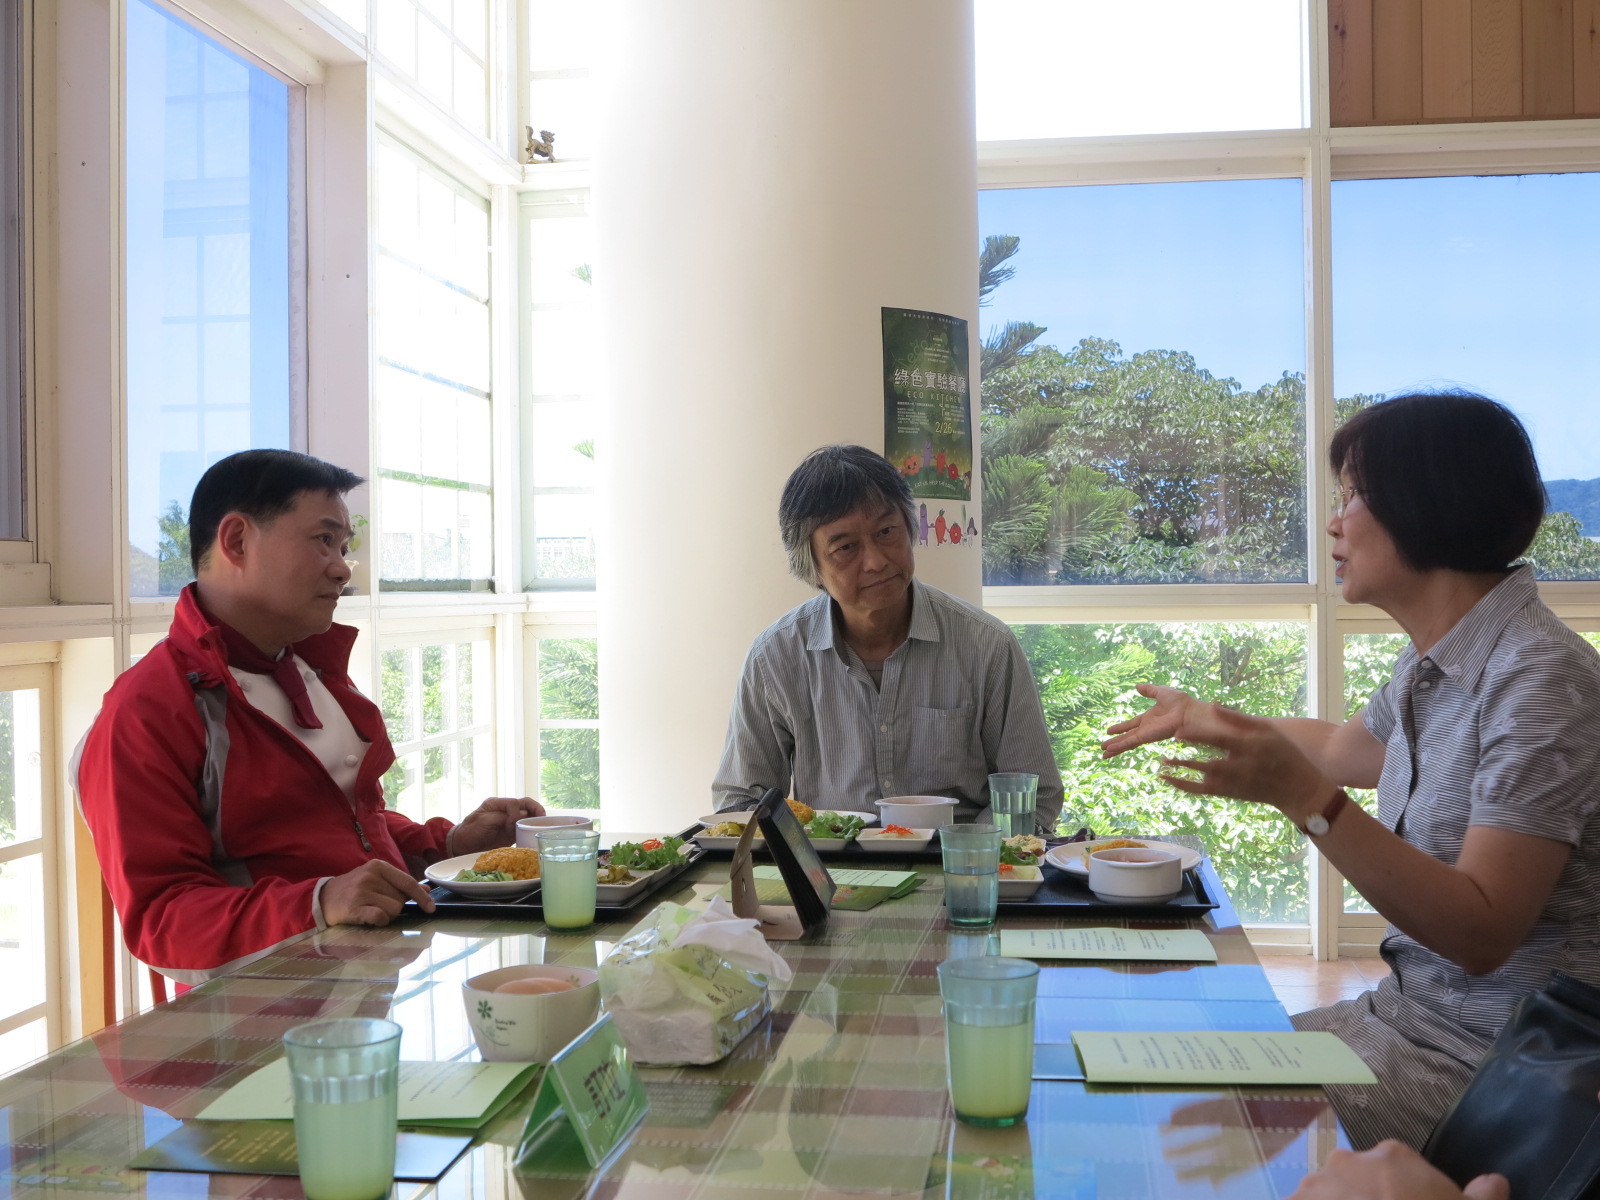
[[1062, 895], [528, 907], [851, 854]]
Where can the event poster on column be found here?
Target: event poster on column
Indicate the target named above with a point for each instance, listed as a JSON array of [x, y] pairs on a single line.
[[927, 414]]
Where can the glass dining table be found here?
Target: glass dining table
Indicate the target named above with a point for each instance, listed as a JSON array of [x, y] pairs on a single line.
[[840, 1092]]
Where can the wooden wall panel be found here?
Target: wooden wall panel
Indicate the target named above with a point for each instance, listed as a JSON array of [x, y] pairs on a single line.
[[1397, 61], [1350, 61], [1404, 62], [1496, 58], [1586, 58], [1546, 58], [1446, 60]]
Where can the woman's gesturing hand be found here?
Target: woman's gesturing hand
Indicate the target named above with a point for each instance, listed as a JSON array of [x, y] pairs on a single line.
[[1258, 763], [1156, 723]]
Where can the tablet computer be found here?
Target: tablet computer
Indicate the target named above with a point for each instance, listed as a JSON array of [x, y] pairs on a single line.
[[810, 886]]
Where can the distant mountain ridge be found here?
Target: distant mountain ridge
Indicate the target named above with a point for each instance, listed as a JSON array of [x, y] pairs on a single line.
[[1580, 497]]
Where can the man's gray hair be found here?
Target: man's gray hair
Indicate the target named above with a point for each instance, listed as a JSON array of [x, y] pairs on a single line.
[[830, 483]]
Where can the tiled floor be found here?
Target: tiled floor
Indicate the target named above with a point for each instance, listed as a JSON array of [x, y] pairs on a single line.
[[1302, 982]]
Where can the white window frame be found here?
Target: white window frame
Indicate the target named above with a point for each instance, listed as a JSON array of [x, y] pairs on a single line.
[[1317, 155]]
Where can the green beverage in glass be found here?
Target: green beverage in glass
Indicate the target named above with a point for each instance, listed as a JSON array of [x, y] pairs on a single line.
[[567, 866], [345, 1076], [328, 1138], [1013, 796], [991, 1071], [988, 1022], [971, 873]]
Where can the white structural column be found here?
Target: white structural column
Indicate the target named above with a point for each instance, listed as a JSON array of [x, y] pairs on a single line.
[[771, 175]]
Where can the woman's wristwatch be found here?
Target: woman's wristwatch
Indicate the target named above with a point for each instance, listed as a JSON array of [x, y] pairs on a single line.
[[1318, 824]]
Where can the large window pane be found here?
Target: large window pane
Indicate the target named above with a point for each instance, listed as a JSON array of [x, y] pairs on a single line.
[[1486, 283], [1369, 660], [1086, 676], [559, 415], [1144, 384], [438, 705], [569, 726], [11, 424], [209, 275], [1074, 68], [23, 949], [444, 48], [560, 52], [434, 444]]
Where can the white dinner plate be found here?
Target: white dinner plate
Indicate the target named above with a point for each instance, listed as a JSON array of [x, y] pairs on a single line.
[[876, 841], [737, 817], [1020, 882], [1072, 857], [443, 873], [707, 842]]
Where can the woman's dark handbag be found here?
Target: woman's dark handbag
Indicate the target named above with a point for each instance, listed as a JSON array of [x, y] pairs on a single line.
[[1531, 1112]]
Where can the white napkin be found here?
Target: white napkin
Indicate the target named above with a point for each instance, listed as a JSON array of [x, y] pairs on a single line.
[[735, 939]]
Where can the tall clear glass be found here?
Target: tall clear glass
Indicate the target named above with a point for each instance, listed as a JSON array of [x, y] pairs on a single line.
[[988, 1025], [346, 1076], [971, 873], [1012, 796], [567, 877]]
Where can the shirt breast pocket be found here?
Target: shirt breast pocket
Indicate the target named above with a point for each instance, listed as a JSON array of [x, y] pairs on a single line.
[[942, 747]]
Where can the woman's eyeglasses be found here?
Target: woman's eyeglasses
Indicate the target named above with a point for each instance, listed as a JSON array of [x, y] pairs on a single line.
[[1339, 499]]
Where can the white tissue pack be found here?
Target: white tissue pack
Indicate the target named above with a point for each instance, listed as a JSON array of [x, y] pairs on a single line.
[[685, 987]]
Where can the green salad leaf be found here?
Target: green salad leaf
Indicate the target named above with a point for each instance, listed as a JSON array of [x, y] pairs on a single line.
[[485, 877], [647, 855], [835, 825], [1024, 850]]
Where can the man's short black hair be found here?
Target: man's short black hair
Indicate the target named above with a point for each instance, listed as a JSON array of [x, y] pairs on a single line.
[[1450, 476], [261, 484], [833, 482]]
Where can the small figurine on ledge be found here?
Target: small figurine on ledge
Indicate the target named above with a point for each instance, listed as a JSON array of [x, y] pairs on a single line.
[[541, 148]]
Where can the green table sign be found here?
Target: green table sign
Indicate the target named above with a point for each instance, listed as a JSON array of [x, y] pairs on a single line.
[[590, 1093]]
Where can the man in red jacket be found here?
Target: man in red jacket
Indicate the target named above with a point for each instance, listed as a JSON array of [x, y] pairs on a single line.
[[232, 780]]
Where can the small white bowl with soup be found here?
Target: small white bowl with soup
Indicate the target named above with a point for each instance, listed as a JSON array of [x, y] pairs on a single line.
[[917, 812], [1135, 875], [528, 1013]]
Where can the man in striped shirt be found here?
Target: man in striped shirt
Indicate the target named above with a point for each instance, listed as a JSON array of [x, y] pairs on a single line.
[[882, 685]]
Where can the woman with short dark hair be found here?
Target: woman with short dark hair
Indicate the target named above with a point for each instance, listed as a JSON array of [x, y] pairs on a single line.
[[1484, 748]]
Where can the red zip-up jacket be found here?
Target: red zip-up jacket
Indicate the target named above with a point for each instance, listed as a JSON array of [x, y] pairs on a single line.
[[212, 823]]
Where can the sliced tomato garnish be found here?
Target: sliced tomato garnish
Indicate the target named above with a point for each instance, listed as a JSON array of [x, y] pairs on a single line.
[[652, 844]]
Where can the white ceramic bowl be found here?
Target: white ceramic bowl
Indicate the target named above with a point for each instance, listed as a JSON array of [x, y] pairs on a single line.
[[1134, 876], [518, 1027], [1020, 882], [917, 812], [529, 828], [877, 841]]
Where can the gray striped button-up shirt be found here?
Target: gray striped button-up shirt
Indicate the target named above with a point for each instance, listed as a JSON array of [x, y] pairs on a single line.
[[957, 702], [1505, 710]]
